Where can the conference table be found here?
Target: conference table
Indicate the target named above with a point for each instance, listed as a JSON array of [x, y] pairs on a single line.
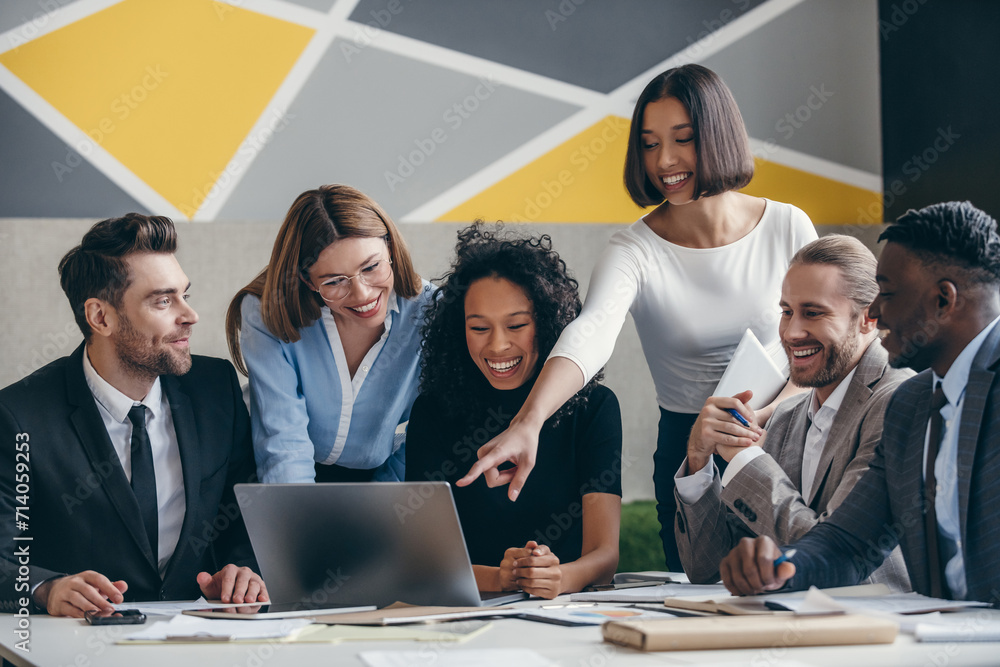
[[63, 642]]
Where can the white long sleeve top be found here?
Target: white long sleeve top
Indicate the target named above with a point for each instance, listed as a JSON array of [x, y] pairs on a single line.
[[690, 305]]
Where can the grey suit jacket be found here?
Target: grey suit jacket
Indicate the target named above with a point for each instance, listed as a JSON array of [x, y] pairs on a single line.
[[887, 505], [764, 497]]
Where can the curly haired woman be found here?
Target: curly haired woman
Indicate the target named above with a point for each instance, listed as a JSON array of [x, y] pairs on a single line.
[[496, 316]]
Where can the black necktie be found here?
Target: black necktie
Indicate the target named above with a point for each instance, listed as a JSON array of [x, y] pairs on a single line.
[[939, 587], [143, 476]]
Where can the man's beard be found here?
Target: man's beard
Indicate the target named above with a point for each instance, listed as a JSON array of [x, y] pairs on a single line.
[[143, 359], [837, 365]]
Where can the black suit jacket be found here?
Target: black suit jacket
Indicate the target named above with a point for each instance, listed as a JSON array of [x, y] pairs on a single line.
[[887, 505], [82, 514]]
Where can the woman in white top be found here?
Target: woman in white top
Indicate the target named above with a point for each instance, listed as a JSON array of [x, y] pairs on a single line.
[[696, 272]]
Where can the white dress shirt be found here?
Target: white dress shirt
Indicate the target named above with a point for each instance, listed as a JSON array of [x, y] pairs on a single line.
[[350, 387], [692, 487], [953, 383], [113, 407], [820, 420]]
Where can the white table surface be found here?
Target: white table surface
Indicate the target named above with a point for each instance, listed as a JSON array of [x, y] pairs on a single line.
[[61, 642]]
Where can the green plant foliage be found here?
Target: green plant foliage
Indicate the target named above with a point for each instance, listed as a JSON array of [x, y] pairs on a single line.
[[639, 546]]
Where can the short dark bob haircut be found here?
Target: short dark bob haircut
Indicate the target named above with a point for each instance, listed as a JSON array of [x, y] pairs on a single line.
[[447, 370], [722, 148]]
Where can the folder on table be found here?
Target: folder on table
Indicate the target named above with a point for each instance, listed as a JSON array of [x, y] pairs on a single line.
[[722, 632], [774, 603]]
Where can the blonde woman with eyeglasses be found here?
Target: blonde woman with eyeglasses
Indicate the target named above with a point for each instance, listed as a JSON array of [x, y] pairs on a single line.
[[329, 335]]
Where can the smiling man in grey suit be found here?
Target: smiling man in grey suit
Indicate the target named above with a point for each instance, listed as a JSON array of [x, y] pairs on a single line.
[[818, 444], [119, 460], [932, 484]]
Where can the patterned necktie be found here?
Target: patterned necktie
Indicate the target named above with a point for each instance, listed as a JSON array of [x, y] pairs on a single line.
[[934, 563], [143, 476]]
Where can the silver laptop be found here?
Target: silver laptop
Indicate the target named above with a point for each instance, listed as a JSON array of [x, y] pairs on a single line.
[[373, 543]]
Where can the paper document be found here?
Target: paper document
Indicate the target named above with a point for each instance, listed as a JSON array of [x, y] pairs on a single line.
[[959, 629], [752, 368], [589, 614], [493, 657], [650, 593], [269, 612], [651, 577], [818, 602], [764, 604], [440, 632], [191, 629], [406, 613], [482, 612]]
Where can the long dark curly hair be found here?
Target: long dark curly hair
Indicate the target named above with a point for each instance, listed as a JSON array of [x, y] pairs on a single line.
[[447, 371]]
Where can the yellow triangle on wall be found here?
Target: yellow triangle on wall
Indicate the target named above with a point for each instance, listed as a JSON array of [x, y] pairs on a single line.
[[825, 201], [581, 181], [170, 89], [578, 181]]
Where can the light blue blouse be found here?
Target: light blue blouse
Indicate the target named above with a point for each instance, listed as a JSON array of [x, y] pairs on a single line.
[[305, 407]]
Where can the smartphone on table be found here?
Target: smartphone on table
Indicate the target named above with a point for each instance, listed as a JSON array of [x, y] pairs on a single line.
[[123, 617]]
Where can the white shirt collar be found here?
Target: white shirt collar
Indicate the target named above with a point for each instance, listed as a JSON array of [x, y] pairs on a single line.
[[116, 403], [392, 305], [834, 400], [957, 377]]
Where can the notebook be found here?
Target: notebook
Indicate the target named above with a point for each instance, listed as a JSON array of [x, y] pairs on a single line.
[[751, 368]]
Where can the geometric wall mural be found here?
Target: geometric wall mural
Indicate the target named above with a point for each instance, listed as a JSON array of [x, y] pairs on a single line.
[[442, 111]]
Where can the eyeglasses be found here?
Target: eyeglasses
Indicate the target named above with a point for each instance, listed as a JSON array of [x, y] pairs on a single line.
[[336, 288]]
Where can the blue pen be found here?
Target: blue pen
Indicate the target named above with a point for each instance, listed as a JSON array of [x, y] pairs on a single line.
[[783, 558], [740, 418]]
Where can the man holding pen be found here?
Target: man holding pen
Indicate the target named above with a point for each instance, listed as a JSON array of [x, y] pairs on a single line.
[[931, 485], [818, 444]]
